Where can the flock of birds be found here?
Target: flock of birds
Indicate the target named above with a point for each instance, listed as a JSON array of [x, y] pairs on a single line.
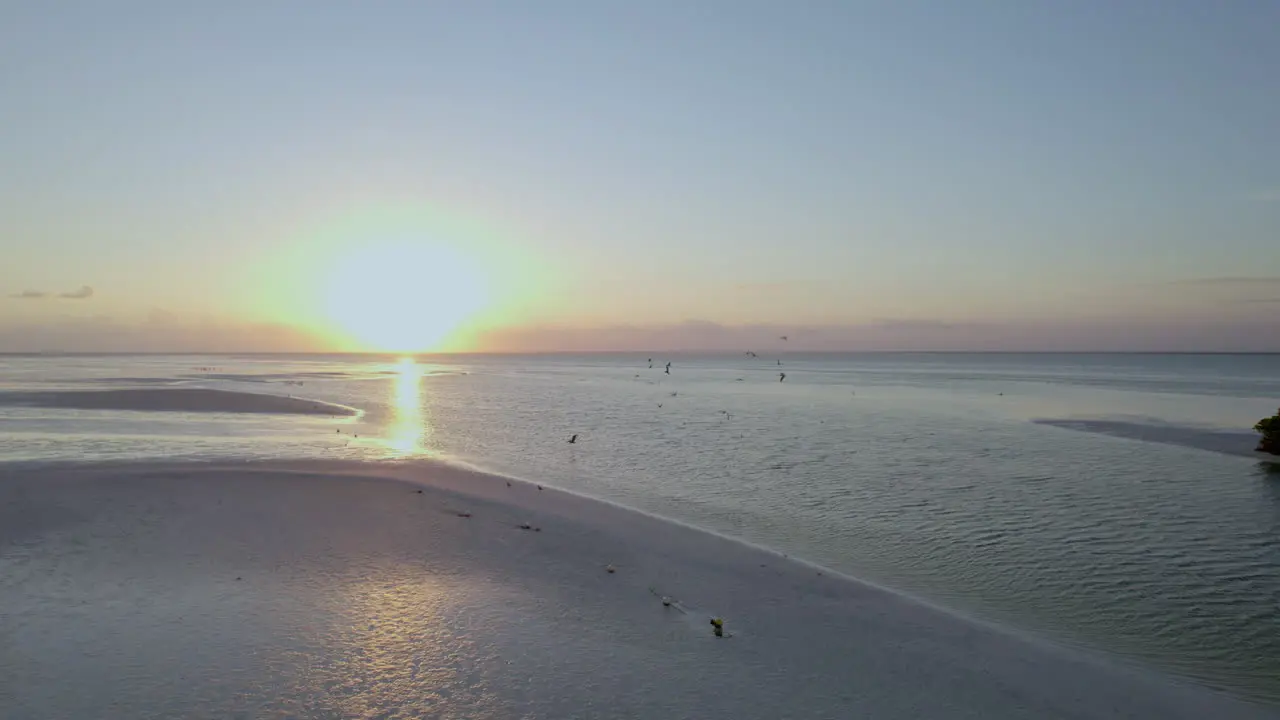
[[717, 624], [782, 376]]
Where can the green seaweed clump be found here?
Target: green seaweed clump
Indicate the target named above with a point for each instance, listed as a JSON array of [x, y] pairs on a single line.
[[1269, 428]]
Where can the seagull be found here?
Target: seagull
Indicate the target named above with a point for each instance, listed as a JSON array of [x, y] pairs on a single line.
[[782, 376], [573, 439], [668, 371], [782, 337]]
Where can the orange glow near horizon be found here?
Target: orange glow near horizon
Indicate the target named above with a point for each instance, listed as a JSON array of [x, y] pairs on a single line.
[[402, 297]]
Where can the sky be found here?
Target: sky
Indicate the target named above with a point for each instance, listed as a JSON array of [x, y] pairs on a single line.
[[284, 175]]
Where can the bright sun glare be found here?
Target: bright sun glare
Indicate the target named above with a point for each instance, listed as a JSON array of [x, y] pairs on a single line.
[[402, 297], [410, 427]]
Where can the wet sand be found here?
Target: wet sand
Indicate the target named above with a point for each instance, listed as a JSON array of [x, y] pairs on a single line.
[[411, 590]]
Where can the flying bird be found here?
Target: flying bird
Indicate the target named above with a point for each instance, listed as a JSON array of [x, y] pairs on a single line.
[[782, 337], [782, 376], [573, 439]]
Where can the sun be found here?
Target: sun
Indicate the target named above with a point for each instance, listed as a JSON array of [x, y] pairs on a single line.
[[401, 297]]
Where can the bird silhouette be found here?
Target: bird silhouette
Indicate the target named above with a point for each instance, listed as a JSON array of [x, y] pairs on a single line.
[[782, 376], [573, 439]]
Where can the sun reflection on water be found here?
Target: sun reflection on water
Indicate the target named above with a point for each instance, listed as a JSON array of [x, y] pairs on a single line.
[[410, 427]]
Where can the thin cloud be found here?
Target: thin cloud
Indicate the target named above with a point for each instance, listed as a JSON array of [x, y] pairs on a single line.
[[776, 285], [1234, 290], [1237, 281], [918, 324], [85, 292]]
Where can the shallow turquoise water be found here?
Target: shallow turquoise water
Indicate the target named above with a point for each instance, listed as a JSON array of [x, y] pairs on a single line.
[[923, 472]]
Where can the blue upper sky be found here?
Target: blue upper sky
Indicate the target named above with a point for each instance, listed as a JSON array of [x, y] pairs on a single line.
[[919, 166]]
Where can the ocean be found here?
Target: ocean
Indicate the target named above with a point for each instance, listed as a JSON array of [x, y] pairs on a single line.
[[1106, 501]]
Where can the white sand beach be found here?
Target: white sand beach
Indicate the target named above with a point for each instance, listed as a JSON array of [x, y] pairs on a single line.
[[340, 590], [174, 400]]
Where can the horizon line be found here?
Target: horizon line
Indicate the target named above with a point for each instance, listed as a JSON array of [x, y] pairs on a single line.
[[375, 353]]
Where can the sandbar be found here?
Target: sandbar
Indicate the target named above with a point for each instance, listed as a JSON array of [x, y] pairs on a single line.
[[1226, 442]]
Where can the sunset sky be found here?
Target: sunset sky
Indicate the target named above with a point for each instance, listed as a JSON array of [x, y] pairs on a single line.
[[654, 175]]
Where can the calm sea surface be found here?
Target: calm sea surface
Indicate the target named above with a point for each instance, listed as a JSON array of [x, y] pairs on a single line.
[[930, 473]]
